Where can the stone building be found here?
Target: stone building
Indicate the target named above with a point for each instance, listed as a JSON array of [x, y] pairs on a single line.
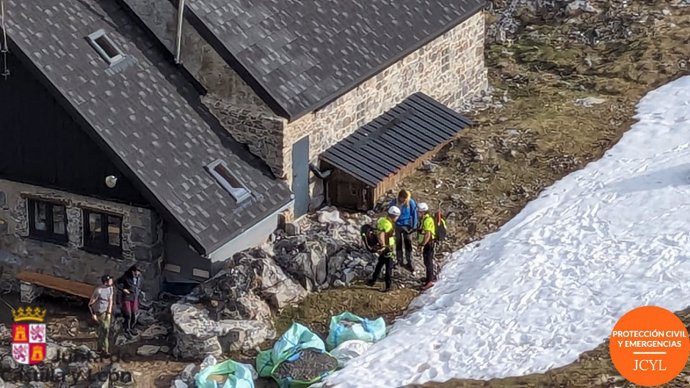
[[112, 155], [291, 78], [108, 158]]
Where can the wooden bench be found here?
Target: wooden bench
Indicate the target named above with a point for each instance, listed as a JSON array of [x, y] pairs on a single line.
[[32, 284]]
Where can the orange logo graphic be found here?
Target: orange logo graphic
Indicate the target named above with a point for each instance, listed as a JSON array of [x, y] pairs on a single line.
[[28, 339], [649, 346]]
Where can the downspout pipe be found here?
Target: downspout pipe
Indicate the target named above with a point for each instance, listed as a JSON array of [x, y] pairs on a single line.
[[178, 38]]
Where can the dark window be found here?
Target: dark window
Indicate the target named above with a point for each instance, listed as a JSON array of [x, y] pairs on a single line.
[[228, 180], [105, 47], [102, 233], [47, 221]]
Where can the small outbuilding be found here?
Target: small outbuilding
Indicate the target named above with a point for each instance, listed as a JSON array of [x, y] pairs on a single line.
[[374, 158]]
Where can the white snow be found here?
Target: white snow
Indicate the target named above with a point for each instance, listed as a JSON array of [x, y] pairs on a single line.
[[552, 282]]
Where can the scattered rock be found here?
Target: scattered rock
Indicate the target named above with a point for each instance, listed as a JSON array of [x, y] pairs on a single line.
[[154, 331], [577, 7], [329, 215], [148, 350], [177, 383], [589, 101], [8, 363], [279, 289], [208, 361], [189, 372], [146, 318], [428, 166]]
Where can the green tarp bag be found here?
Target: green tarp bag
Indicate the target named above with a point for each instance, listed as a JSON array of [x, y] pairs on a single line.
[[348, 326], [289, 348], [227, 374]]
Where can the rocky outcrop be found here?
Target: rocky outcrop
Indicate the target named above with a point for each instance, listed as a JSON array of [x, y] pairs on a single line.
[[198, 335], [328, 253]]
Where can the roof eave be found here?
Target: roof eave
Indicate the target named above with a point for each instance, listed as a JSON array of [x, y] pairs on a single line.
[[262, 216]]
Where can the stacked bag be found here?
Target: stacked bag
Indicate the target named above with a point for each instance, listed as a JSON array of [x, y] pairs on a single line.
[[299, 359], [227, 374], [349, 336]]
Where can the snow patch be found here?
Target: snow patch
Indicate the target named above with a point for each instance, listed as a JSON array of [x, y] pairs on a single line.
[[553, 281]]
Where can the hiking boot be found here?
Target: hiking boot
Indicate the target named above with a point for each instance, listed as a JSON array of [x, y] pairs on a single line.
[[387, 289], [371, 282]]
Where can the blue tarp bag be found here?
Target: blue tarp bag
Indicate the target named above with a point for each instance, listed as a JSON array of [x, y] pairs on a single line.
[[227, 374], [348, 326]]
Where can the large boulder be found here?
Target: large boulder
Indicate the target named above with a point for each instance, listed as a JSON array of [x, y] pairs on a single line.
[[348, 266], [277, 288], [251, 272], [329, 253], [197, 335], [304, 259]]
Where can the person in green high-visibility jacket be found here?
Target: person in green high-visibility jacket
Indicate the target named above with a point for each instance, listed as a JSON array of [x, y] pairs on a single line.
[[385, 229], [427, 241]]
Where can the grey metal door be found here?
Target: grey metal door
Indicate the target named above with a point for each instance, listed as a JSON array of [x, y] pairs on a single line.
[[300, 175]]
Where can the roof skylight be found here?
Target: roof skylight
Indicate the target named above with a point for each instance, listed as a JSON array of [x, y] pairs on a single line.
[[220, 171], [105, 47]]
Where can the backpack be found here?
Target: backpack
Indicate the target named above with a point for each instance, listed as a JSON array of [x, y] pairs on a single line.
[[441, 230], [369, 238]]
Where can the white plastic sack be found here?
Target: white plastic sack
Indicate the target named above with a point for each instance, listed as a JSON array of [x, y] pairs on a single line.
[[349, 350]]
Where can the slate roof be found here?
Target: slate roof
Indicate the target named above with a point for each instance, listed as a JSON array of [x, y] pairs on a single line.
[[395, 139], [143, 113], [299, 55]]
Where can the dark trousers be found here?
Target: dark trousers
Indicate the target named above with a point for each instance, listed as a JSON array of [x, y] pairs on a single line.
[[129, 311], [428, 255], [402, 238], [385, 258]]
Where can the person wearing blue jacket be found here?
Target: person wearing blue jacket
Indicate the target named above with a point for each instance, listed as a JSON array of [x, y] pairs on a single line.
[[404, 227]]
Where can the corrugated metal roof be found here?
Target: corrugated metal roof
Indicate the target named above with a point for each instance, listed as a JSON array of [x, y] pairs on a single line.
[[395, 139]]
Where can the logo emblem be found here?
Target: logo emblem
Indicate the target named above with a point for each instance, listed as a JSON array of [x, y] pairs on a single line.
[[29, 335]]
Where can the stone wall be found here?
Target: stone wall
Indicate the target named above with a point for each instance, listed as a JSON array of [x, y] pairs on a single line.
[[141, 238], [239, 109], [450, 69]]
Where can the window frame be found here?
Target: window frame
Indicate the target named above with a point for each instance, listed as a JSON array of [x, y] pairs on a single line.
[[239, 194], [101, 245], [101, 34], [48, 235]]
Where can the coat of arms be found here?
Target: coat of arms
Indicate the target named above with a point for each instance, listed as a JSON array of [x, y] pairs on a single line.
[[28, 335]]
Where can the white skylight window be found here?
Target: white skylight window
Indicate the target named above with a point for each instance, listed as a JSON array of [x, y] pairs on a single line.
[[105, 47], [220, 171]]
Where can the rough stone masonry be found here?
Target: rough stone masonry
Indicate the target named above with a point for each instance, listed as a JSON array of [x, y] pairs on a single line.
[[450, 69], [140, 232]]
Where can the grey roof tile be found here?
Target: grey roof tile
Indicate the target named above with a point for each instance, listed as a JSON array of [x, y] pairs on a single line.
[[145, 111], [313, 36]]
